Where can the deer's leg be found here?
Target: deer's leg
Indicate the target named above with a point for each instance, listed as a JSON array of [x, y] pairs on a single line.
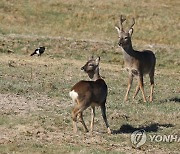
[[92, 117], [103, 111], [151, 76], [82, 121], [137, 90], [130, 80], [74, 127], [142, 87], [74, 117], [78, 109]]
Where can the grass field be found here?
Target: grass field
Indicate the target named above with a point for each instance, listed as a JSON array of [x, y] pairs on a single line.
[[35, 108]]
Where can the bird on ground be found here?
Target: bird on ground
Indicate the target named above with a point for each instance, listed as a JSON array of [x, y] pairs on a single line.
[[38, 51]]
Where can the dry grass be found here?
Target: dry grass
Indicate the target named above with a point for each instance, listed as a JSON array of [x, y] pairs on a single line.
[[156, 21], [35, 107]]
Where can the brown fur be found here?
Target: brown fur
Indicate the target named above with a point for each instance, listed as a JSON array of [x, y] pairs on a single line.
[[138, 63], [90, 93]]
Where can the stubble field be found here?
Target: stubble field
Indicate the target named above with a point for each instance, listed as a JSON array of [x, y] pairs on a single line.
[[35, 108]]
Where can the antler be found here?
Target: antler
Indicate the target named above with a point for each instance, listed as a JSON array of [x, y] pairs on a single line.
[[132, 24], [120, 22]]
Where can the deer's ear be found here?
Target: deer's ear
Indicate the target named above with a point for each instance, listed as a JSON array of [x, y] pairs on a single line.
[[130, 31], [91, 57], [97, 60]]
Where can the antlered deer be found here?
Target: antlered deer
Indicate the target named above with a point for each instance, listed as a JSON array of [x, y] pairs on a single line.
[[89, 93], [138, 63]]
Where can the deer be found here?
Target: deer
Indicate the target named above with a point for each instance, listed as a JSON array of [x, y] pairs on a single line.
[[137, 63], [92, 94]]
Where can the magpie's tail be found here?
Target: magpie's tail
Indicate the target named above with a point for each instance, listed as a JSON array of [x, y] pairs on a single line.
[[33, 53]]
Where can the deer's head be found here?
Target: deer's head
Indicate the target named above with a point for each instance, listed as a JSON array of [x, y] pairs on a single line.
[[124, 35], [91, 67]]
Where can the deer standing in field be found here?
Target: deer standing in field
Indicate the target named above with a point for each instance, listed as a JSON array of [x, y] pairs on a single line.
[[138, 63], [89, 93]]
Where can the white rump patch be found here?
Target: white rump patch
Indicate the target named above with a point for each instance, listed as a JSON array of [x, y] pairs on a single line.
[[73, 95]]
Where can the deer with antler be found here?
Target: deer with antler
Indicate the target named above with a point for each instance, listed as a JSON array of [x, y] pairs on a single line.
[[138, 63]]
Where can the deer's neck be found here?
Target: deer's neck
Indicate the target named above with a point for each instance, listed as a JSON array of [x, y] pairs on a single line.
[[129, 51], [95, 75]]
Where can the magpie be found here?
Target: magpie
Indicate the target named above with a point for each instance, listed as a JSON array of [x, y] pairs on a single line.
[[38, 51]]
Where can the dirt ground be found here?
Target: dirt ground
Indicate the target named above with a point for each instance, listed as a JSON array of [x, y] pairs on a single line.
[[20, 132]]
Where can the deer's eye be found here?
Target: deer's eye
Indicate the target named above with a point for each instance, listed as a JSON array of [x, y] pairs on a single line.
[[126, 38]]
